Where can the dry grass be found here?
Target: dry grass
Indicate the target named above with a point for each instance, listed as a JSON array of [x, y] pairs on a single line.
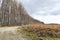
[[43, 30], [44, 26]]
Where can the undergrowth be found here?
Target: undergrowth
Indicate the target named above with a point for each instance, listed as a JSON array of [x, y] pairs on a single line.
[[36, 33]]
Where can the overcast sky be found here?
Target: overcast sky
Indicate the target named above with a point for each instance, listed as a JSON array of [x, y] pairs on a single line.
[[47, 11]]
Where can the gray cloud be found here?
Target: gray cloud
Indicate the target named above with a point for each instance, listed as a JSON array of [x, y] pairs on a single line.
[[50, 7], [47, 11]]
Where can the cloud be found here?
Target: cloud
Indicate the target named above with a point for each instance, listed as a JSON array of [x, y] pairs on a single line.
[[48, 8], [25, 1], [44, 10], [48, 19], [41, 6]]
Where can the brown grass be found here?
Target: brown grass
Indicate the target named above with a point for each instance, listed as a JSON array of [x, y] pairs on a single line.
[[43, 30]]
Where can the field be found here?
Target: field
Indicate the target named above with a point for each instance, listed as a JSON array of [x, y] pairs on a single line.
[[41, 31]]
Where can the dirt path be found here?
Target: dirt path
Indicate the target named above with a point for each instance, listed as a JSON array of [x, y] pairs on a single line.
[[10, 33]]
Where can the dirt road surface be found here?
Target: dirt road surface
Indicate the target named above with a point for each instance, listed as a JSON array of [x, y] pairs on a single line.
[[10, 33]]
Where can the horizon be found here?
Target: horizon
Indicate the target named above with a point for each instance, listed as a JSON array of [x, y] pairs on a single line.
[[47, 11]]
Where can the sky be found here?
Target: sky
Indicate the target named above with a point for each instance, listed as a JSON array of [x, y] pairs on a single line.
[[47, 11]]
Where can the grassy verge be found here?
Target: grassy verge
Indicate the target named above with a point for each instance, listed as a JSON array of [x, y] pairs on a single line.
[[35, 34]]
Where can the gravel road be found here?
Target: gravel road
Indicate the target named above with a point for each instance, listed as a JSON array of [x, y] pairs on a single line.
[[10, 33]]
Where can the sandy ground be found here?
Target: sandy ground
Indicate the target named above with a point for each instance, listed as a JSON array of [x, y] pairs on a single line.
[[10, 33]]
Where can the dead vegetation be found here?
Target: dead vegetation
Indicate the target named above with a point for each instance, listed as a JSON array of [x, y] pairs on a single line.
[[43, 30]]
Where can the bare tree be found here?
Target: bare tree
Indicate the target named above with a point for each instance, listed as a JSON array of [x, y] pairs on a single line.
[[14, 13]]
